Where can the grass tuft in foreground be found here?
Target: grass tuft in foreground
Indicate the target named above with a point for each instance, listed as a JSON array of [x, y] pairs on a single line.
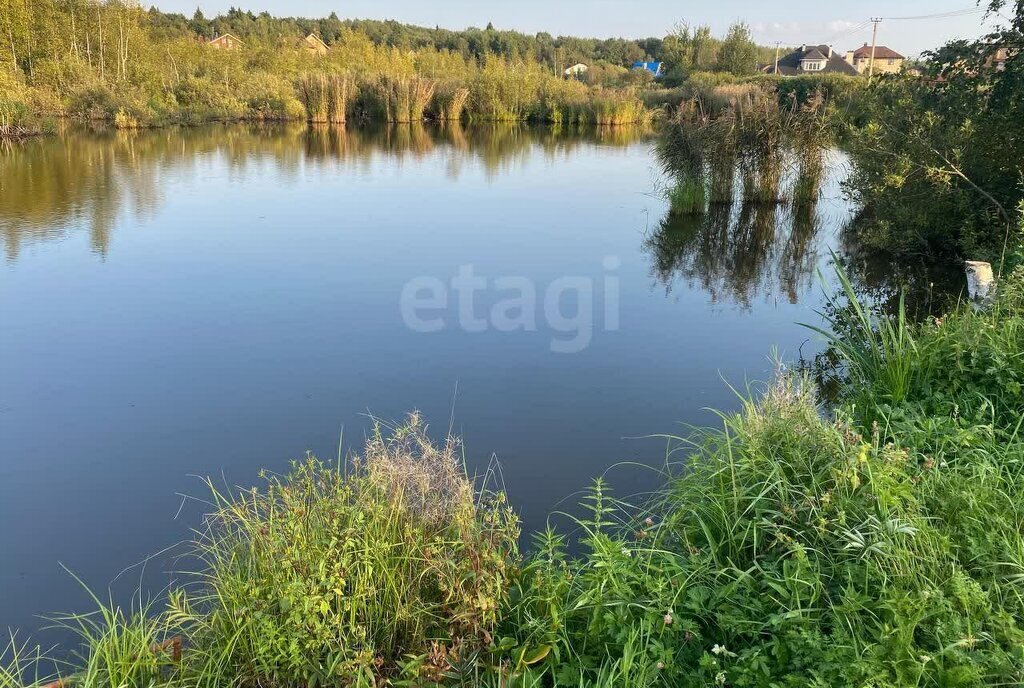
[[392, 564]]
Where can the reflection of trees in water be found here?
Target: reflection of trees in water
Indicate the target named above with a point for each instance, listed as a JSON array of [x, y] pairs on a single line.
[[84, 179], [738, 253], [496, 147], [879, 280]]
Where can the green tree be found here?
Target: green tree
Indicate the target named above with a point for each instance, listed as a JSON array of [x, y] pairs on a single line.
[[738, 52]]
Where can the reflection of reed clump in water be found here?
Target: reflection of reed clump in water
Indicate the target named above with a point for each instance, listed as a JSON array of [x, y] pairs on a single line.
[[738, 252]]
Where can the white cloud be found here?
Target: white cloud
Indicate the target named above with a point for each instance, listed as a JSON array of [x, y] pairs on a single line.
[[839, 25]]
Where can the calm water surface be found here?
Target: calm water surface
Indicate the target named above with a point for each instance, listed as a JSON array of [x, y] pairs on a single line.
[[208, 302]]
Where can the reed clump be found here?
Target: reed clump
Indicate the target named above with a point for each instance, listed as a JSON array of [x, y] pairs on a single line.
[[326, 97], [450, 102], [404, 99], [740, 133], [810, 135], [612, 108], [761, 127]]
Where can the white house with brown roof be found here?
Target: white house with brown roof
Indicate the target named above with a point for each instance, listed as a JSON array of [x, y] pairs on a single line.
[[887, 60]]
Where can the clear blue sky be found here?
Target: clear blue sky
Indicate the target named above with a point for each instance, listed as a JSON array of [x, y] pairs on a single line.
[[821, 21]]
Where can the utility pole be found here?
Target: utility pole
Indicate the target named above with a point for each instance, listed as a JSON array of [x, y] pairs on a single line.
[[874, 43], [778, 46]]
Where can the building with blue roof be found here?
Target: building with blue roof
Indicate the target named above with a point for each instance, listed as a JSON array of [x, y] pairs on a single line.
[[654, 68]]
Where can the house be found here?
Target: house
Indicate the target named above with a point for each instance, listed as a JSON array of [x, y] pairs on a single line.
[[887, 60], [226, 41], [313, 44], [576, 70], [654, 68], [811, 59], [997, 58]]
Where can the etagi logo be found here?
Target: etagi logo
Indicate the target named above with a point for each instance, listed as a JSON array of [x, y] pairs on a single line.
[[566, 307]]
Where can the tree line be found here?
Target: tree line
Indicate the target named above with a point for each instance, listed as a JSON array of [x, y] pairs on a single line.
[[37, 29]]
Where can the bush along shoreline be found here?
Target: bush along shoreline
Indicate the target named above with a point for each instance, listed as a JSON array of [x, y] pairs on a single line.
[[877, 542]]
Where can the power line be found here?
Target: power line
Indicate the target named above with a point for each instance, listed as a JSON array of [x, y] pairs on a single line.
[[849, 31], [941, 15]]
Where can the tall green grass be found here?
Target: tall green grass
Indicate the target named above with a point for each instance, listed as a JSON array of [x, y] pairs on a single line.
[[880, 353], [20, 664], [333, 573]]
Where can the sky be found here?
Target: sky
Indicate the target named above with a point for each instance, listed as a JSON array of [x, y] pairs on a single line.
[[820, 21]]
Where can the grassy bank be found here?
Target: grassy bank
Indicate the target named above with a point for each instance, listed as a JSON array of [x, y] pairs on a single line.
[[877, 543]]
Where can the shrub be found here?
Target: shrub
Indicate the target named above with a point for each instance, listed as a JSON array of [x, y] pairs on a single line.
[[201, 99], [15, 114]]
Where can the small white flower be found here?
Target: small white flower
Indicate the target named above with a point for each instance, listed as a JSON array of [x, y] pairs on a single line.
[[626, 552], [721, 650], [720, 678]]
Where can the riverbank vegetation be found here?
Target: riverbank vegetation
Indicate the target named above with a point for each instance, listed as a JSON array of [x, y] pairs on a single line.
[[118, 63], [937, 163]]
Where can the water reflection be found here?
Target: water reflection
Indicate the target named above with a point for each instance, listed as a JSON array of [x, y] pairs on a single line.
[[86, 178], [741, 253]]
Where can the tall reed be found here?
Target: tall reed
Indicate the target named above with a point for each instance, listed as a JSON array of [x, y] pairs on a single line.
[[405, 99], [450, 102], [810, 135], [326, 97], [682, 152], [761, 126]]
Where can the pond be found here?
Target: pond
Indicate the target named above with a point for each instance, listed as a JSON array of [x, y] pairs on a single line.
[[212, 301]]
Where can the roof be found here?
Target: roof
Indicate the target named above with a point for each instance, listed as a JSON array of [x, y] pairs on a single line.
[[652, 67], [881, 53], [315, 40], [789, 65], [225, 36]]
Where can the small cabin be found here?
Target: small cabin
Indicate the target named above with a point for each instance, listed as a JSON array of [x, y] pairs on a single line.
[[576, 70], [313, 44], [226, 41]]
